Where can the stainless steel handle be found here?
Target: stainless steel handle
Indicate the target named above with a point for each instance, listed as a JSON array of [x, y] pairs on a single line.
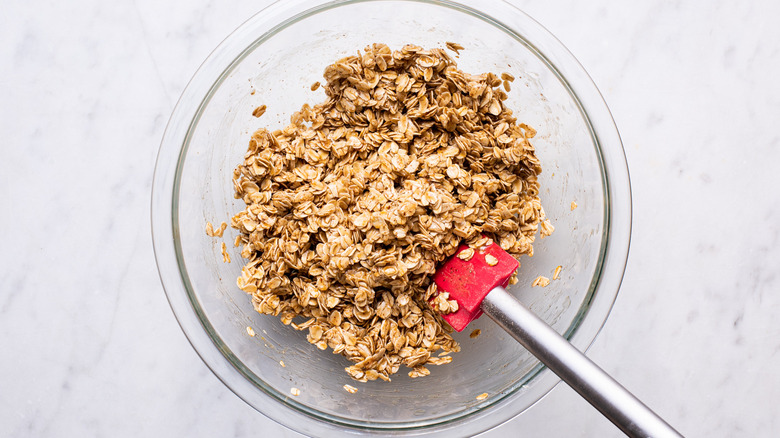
[[591, 382]]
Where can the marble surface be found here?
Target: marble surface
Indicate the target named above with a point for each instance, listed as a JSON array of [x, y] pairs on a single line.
[[90, 346]]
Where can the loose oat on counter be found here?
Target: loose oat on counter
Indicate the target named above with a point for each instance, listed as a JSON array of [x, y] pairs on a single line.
[[351, 207]]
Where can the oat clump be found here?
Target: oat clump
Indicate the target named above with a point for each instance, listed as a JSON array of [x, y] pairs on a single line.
[[351, 207]]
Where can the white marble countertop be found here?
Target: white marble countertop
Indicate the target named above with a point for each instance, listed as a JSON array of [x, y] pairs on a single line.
[[91, 347]]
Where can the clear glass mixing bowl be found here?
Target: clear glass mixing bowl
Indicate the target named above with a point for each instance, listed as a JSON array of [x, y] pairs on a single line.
[[278, 54]]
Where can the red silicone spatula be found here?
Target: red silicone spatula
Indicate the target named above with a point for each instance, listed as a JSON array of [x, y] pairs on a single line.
[[477, 284]]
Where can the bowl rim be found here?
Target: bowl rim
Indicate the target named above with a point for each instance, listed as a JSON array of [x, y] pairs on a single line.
[[494, 411]]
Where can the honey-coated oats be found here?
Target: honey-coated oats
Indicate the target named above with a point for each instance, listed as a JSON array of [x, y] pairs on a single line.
[[352, 206]]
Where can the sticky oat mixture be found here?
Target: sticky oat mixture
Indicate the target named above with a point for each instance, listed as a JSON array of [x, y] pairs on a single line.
[[351, 207]]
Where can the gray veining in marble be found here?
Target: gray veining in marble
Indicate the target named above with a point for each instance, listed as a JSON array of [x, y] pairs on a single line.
[[91, 348]]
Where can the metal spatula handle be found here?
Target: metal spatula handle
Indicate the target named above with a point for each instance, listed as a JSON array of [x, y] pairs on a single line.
[[591, 382]]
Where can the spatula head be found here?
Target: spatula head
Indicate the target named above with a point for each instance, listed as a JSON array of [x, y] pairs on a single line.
[[469, 281]]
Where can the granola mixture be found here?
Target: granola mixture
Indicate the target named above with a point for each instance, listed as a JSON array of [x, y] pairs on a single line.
[[351, 207]]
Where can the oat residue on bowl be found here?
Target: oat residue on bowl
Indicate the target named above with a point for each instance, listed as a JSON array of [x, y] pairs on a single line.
[[350, 389], [455, 47], [259, 111], [351, 207], [210, 231], [557, 272], [225, 254], [540, 281]]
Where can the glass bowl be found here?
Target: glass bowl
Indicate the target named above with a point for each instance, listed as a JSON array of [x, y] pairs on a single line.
[[273, 59]]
